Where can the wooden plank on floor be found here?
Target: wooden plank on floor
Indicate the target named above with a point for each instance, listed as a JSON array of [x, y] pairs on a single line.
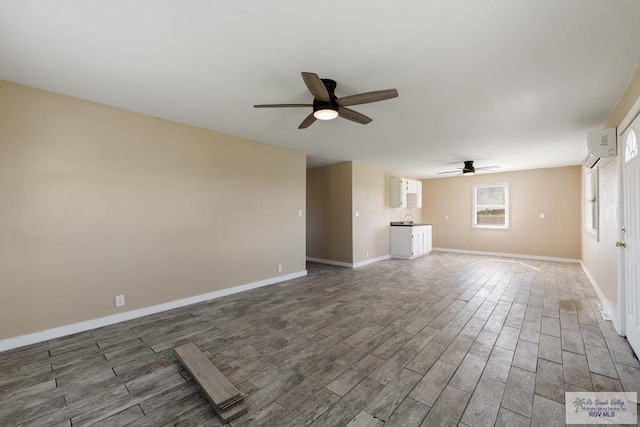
[[213, 384], [225, 398]]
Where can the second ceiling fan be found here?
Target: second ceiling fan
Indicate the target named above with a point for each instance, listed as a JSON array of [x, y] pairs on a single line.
[[326, 105], [469, 169]]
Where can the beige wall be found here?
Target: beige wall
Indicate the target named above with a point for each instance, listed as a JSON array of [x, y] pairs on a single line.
[[334, 193], [600, 257], [97, 201], [554, 192], [371, 198], [329, 226]]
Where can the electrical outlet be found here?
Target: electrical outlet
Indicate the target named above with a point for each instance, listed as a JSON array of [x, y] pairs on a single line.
[[299, 212], [119, 300], [367, 254], [279, 268], [541, 215]]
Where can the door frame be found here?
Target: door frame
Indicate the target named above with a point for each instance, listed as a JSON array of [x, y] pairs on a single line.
[[622, 297]]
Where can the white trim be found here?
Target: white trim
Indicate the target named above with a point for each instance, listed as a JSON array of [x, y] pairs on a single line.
[[591, 193], [348, 264], [620, 320], [474, 209], [608, 305], [410, 256], [370, 261], [330, 262], [507, 255], [20, 341]]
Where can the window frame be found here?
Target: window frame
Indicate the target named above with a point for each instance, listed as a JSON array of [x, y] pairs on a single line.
[[592, 202], [474, 206], [630, 147]]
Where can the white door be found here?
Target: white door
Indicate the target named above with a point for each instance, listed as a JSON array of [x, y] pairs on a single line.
[[631, 188]]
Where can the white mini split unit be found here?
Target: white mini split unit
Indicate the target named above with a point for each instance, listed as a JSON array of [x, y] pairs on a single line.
[[602, 148]]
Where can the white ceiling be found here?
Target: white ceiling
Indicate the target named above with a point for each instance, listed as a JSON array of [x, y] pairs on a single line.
[[515, 83]]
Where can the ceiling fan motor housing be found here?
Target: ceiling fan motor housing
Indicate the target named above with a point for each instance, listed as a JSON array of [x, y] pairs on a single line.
[[331, 87], [332, 104], [320, 105], [468, 167]]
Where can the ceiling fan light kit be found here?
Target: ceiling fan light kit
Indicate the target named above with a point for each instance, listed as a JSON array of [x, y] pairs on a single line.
[[325, 110], [325, 114], [326, 106]]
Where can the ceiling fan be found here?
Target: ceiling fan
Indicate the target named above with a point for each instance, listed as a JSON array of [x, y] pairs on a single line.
[[469, 169], [326, 106]]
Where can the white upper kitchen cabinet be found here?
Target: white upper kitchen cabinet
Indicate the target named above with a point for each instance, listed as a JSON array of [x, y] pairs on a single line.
[[406, 193]]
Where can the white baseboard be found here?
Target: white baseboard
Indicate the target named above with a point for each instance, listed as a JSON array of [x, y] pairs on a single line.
[[23, 340], [370, 261], [508, 255], [330, 262], [348, 264], [609, 307]]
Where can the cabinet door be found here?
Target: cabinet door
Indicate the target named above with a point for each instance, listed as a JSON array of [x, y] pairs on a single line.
[[427, 238], [414, 242], [418, 194], [417, 241], [398, 193], [401, 241], [404, 188]]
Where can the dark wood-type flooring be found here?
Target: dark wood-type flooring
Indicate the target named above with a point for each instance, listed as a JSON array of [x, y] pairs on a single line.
[[446, 339]]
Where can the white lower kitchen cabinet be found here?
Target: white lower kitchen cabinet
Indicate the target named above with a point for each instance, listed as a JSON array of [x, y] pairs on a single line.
[[410, 242]]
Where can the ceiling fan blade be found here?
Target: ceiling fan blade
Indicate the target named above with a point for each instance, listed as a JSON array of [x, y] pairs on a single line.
[[365, 98], [308, 121], [487, 167], [316, 87], [443, 173], [354, 116], [281, 105]]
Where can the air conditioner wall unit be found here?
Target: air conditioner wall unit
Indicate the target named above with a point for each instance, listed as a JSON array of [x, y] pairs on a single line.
[[602, 147]]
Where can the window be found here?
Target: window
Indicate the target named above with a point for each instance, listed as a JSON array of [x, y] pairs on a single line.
[[632, 147], [591, 208], [491, 206]]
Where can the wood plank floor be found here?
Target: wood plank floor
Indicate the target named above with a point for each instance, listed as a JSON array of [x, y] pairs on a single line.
[[446, 339]]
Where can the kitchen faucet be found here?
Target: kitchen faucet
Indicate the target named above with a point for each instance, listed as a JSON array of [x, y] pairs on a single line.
[[408, 218]]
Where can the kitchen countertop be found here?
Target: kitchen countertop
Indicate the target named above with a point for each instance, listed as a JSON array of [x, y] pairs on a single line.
[[406, 224]]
